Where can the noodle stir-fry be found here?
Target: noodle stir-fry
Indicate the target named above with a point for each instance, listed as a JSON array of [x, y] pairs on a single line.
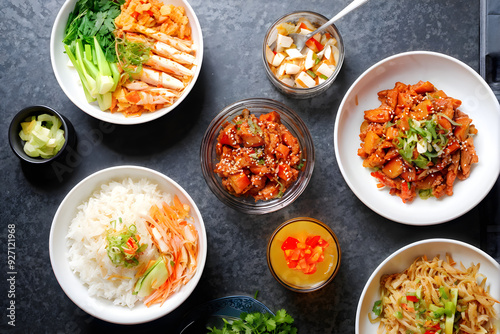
[[434, 297]]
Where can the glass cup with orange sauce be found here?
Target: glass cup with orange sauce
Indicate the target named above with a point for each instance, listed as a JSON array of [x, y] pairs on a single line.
[[297, 233]]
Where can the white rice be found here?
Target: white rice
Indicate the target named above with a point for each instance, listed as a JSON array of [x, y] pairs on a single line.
[[129, 200]]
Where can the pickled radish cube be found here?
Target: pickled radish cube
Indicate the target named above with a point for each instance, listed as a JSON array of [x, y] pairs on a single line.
[[336, 54], [304, 80], [278, 58], [269, 54], [326, 70], [304, 31], [294, 53], [321, 54], [306, 24], [328, 52], [283, 42], [309, 59], [281, 70], [292, 68], [288, 81]]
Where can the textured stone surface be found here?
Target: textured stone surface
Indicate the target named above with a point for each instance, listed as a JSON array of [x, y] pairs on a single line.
[[232, 70]]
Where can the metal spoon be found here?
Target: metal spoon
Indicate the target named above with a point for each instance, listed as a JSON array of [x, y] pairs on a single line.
[[300, 40]]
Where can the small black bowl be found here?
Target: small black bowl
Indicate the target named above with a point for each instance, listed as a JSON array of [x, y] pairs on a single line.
[[17, 144]]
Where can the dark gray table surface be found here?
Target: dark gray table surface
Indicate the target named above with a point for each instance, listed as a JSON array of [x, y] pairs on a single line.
[[232, 70]]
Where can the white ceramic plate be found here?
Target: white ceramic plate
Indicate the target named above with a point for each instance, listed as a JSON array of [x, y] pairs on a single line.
[[71, 284], [404, 257], [457, 80], [68, 79]]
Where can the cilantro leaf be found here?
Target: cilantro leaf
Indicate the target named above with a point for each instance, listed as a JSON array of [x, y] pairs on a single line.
[[256, 322]]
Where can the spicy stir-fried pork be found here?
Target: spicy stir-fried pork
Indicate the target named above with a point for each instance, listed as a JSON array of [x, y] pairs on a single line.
[[418, 140], [259, 157]]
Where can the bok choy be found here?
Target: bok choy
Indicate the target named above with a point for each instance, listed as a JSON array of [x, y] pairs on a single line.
[[89, 43]]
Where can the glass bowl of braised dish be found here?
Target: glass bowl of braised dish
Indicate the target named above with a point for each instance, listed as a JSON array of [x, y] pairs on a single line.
[[257, 156]]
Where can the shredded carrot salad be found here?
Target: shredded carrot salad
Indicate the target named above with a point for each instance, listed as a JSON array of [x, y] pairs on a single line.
[[177, 241]]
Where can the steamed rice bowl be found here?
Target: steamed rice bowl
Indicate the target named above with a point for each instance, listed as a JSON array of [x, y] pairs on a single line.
[[115, 207]]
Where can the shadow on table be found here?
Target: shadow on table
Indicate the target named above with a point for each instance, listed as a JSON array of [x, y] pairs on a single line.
[[156, 136]]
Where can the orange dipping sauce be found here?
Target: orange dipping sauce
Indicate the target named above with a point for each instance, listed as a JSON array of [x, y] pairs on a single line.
[[296, 280]]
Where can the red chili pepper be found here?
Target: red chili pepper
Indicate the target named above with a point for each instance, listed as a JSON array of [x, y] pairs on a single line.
[[304, 256], [312, 241], [289, 243], [406, 307], [135, 15], [312, 42], [150, 13], [412, 298], [430, 332], [291, 263], [131, 246], [436, 327], [303, 26]]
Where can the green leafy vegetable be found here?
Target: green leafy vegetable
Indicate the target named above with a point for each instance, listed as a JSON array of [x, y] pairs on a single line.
[[254, 128], [425, 193], [301, 165], [94, 18], [311, 73], [132, 55], [422, 137], [123, 246], [377, 307], [89, 43], [258, 323]]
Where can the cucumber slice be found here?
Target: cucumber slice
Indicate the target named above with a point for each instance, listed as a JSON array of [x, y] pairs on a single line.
[[152, 279], [42, 135]]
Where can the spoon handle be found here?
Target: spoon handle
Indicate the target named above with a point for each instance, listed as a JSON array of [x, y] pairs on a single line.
[[353, 5]]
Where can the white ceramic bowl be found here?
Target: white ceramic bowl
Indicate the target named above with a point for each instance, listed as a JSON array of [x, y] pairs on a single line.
[[404, 257], [71, 284], [68, 79], [457, 80]]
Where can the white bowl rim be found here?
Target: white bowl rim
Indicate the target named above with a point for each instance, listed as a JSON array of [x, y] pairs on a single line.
[[57, 270], [454, 214], [408, 247], [118, 118]]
